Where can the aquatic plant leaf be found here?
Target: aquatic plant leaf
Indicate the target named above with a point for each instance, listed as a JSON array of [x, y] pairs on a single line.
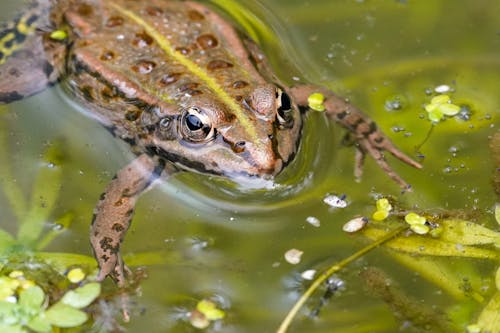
[[467, 233], [39, 324], [63, 315], [440, 272], [6, 240], [8, 313], [251, 23], [210, 310], [43, 197], [32, 298], [12, 329], [83, 296], [8, 185], [425, 245], [62, 261], [489, 319]]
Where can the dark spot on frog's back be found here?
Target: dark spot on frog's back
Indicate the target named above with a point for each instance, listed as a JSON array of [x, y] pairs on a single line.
[[195, 15], [107, 55], [207, 41], [190, 89], [218, 64], [142, 39], [183, 50], [154, 11], [169, 78], [114, 21], [239, 84], [144, 66]]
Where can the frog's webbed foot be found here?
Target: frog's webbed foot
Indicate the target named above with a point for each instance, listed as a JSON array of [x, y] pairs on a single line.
[[114, 212], [368, 138]]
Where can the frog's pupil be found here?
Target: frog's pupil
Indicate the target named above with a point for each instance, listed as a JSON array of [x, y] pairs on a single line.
[[193, 122], [286, 103]]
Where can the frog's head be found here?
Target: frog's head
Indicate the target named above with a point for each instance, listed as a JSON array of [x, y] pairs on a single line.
[[256, 135]]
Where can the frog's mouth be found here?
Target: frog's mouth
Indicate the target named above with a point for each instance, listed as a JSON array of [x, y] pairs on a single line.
[[231, 166]]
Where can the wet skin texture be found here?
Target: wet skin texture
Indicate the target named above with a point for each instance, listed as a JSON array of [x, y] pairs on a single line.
[[178, 83]]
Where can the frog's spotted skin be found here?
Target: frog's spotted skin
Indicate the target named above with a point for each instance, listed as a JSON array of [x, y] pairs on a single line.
[[13, 35], [180, 85]]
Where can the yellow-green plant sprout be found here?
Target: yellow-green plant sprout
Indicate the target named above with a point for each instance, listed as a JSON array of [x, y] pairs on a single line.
[[58, 35], [441, 106], [315, 102], [383, 209], [417, 223]]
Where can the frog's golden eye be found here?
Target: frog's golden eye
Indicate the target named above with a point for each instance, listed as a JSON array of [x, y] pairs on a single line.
[[284, 112], [196, 126]]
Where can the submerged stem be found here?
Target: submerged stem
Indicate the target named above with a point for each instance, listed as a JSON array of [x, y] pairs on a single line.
[[335, 268]]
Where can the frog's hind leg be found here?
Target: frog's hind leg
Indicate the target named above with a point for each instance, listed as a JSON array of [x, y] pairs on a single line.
[[29, 59], [114, 211]]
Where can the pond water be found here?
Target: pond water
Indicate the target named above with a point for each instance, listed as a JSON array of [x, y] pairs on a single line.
[[212, 239]]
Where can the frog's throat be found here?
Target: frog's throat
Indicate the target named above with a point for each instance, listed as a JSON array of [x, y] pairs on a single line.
[[199, 72]]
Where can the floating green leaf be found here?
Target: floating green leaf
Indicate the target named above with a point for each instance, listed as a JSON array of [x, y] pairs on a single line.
[[414, 218], [441, 106], [210, 310], [32, 298], [497, 213], [7, 313], [11, 329], [40, 324], [63, 315], [83, 296]]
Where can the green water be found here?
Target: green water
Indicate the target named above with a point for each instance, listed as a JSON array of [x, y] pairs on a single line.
[[226, 242]]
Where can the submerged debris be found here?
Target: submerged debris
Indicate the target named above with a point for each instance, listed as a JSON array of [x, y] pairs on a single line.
[[335, 201], [314, 221], [293, 256], [355, 224]]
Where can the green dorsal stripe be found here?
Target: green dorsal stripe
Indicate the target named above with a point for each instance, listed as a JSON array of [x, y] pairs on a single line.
[[193, 68]]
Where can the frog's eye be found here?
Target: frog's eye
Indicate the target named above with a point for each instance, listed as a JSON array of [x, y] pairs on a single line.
[[196, 126], [284, 109]]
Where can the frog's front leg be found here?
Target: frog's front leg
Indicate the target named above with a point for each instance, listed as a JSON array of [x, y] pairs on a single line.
[[114, 212], [369, 139]]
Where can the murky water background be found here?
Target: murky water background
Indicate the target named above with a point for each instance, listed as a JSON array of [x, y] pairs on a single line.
[[224, 241]]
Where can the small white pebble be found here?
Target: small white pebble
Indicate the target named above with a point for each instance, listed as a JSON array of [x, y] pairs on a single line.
[[355, 224], [309, 274], [293, 256], [335, 201], [314, 221], [441, 89]]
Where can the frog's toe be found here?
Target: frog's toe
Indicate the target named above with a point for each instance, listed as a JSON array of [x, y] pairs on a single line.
[[379, 157]]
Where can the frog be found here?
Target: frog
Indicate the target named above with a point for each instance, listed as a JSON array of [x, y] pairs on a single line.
[[183, 85]]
